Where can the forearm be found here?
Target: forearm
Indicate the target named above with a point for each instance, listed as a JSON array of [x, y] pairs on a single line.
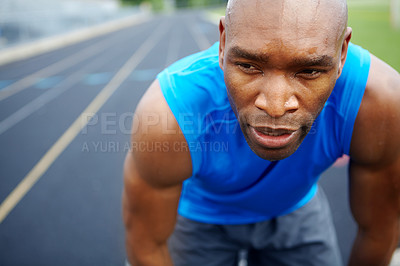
[[146, 238], [145, 245], [375, 204], [149, 216], [373, 250], [141, 256]]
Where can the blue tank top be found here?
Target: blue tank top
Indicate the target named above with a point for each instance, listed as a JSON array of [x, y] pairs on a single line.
[[232, 185]]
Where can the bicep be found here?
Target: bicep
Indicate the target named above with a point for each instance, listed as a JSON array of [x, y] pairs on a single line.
[[157, 142], [153, 172]]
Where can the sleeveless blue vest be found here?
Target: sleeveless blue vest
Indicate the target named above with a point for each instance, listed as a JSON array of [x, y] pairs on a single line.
[[232, 185]]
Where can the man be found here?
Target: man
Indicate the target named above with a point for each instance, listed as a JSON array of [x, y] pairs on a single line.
[[245, 130]]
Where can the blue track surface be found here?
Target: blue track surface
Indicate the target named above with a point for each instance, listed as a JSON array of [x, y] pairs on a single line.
[[72, 215]]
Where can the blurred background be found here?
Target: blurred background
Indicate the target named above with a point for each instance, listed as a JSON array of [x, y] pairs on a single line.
[[24, 20], [71, 74], [376, 26]]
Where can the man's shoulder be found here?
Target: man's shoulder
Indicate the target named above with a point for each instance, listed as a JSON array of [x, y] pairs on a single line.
[[377, 127], [195, 87], [157, 142], [194, 61], [195, 78], [340, 112]]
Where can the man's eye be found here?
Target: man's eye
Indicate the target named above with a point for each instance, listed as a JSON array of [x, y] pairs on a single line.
[[244, 65], [248, 68], [310, 73]]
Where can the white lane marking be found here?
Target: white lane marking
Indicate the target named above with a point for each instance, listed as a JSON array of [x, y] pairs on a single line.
[[200, 38], [44, 45], [173, 49], [48, 96], [62, 143], [54, 68], [396, 258]]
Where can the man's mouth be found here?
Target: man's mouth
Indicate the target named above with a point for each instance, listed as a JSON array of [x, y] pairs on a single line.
[[273, 138], [274, 131]]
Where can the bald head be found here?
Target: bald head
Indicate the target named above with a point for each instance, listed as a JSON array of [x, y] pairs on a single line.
[[299, 17]]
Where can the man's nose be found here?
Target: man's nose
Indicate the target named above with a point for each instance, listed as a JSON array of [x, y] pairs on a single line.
[[276, 97]]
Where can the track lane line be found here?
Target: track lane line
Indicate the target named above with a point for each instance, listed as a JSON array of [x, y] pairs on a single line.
[[62, 143], [52, 69], [37, 103], [173, 46], [56, 67], [51, 43]]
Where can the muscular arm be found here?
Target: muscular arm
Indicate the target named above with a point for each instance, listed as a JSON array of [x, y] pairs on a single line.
[[153, 173], [375, 168]]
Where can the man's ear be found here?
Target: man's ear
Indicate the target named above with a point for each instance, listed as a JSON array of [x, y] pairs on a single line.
[[345, 46], [222, 38]]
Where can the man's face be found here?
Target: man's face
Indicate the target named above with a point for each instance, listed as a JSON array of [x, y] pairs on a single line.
[[279, 73]]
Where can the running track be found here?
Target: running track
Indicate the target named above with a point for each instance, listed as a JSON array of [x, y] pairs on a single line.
[[64, 129]]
